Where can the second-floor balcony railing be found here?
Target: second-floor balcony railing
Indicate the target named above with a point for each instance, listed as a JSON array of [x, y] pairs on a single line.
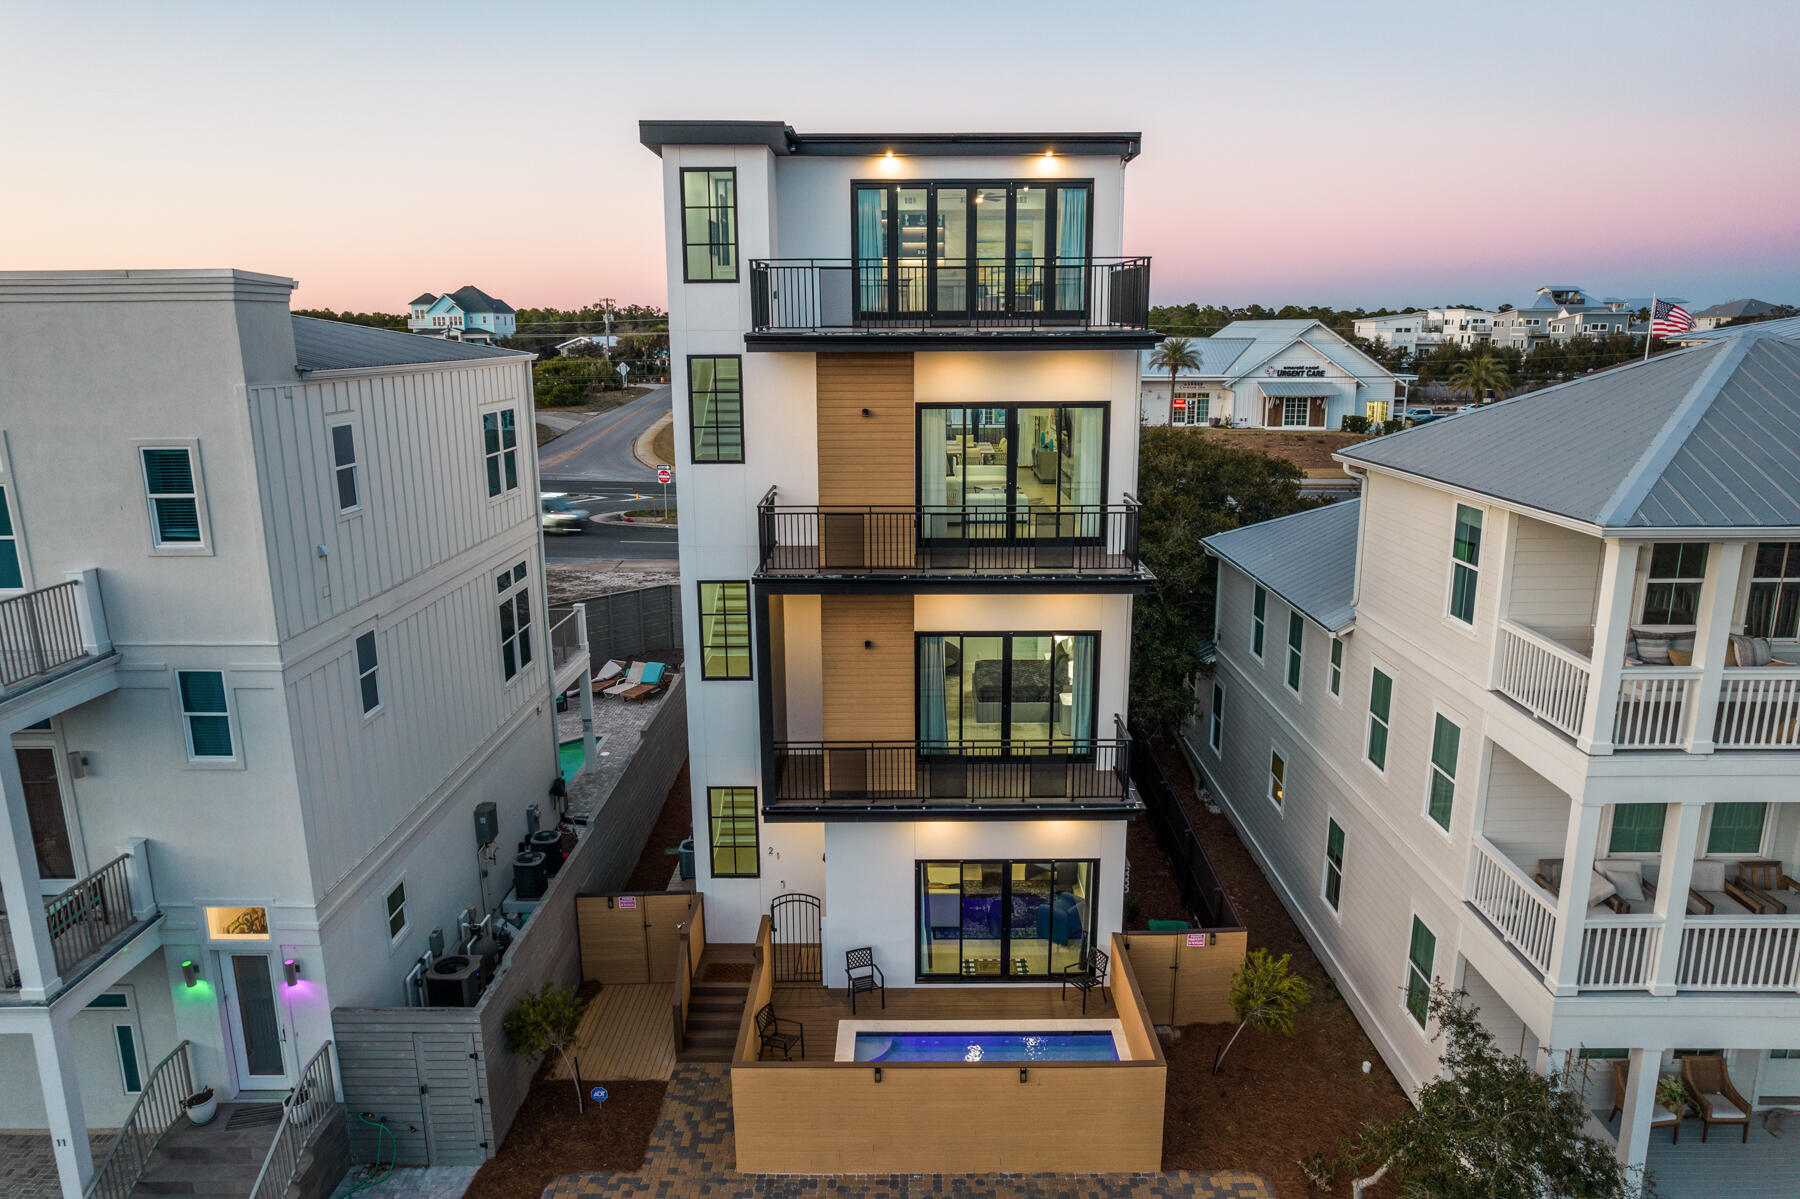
[[82, 921], [1083, 540], [40, 631], [845, 295]]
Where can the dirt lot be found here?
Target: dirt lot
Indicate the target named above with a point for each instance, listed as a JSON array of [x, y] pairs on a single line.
[[548, 1139], [571, 581], [1308, 451], [673, 826], [1278, 1099]]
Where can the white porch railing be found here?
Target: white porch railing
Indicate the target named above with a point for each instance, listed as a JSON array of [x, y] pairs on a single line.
[[159, 1105], [1524, 912], [1550, 680], [303, 1112], [1759, 708], [566, 635], [1618, 953], [1653, 706], [1739, 953]]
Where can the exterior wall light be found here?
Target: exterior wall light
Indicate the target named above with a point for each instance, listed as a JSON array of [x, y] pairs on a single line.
[[290, 970], [190, 973], [878, 1074]]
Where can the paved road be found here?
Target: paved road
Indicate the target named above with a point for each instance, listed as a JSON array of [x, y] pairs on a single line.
[[594, 464]]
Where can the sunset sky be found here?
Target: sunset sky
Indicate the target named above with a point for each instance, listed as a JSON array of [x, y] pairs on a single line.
[[1345, 154]]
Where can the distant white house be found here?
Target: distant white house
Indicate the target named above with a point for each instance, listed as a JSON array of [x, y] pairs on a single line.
[[1731, 310], [466, 314], [605, 341], [1293, 374]]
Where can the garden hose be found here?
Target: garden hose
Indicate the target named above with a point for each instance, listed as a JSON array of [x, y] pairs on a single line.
[[376, 1172]]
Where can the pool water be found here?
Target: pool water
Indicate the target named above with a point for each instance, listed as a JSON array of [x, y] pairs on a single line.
[[573, 759], [1096, 1046]]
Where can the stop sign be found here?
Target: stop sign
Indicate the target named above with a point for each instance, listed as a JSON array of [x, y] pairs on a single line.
[[664, 474]]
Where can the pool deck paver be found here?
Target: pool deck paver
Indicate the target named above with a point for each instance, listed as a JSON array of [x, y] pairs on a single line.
[[691, 1153]]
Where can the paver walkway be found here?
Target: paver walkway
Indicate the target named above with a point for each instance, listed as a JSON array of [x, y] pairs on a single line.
[[28, 1164], [691, 1154]]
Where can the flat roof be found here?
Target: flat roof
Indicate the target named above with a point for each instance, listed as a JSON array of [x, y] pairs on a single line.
[[782, 138]]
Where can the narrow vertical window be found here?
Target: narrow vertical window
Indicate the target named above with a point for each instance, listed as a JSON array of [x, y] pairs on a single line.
[[731, 827], [1258, 607], [1419, 955], [343, 466], [1215, 728], [716, 408], [515, 620], [1334, 863], [12, 573], [724, 630], [1296, 639], [205, 712], [1277, 778], [1446, 740], [1465, 563], [368, 672], [129, 1077], [174, 498], [1773, 609], [1337, 666], [500, 446], [709, 225], [396, 911], [1381, 699]]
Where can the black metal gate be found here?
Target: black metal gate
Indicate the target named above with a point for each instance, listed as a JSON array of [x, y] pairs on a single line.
[[794, 938]]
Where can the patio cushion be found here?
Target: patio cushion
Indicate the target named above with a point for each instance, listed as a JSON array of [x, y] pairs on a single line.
[[1599, 888], [653, 673], [1626, 876], [1720, 1107], [1708, 876], [1652, 648], [1748, 651], [1664, 1116]]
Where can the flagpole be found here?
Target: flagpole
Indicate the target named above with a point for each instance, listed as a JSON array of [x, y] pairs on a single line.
[[1650, 329]]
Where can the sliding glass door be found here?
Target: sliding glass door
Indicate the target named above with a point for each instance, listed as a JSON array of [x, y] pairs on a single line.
[[1007, 694], [1014, 472], [1003, 919]]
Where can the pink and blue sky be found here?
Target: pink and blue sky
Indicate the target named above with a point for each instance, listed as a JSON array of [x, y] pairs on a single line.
[[1345, 154]]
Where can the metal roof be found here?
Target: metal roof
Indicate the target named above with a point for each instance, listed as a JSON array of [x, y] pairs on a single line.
[[424, 297], [1745, 307], [1298, 388], [1307, 559], [334, 345], [1216, 356], [781, 138], [472, 299], [1704, 438], [1787, 326]]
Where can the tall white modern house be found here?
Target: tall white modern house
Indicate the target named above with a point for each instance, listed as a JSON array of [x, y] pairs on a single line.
[[271, 641], [1526, 719], [906, 416]]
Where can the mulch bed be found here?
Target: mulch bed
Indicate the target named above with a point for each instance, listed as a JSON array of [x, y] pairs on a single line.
[[1307, 451], [548, 1139], [1153, 894], [1278, 1098], [674, 824]]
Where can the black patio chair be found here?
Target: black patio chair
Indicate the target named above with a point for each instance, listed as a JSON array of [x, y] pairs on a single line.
[[769, 1028], [864, 975], [1089, 974]]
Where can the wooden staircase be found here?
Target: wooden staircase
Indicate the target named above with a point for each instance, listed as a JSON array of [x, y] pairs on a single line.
[[716, 1005]]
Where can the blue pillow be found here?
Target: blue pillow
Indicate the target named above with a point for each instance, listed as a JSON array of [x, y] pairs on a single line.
[[653, 672]]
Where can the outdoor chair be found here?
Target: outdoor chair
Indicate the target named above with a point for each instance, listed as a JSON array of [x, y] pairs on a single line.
[[770, 1031], [864, 975], [1660, 1116], [1717, 1101], [632, 678], [1549, 877], [652, 679], [1764, 888], [1089, 974], [1708, 894], [605, 673]]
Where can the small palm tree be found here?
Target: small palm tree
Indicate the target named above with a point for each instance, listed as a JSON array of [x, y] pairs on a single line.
[[1265, 994], [1480, 375], [1175, 354]]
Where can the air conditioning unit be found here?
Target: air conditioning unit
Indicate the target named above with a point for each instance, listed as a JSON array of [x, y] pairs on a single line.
[[453, 981]]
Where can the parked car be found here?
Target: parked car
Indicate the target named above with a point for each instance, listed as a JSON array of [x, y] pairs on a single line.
[[1419, 416], [557, 515]]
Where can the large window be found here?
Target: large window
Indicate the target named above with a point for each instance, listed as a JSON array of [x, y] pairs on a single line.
[[1004, 919], [1672, 593], [1774, 606], [724, 630], [1736, 828], [174, 496], [1296, 639], [1637, 828], [1334, 863], [1446, 741], [709, 235], [205, 713], [1465, 563], [515, 620], [1419, 956], [1012, 472], [12, 574], [1381, 701], [716, 408], [996, 692], [956, 249], [500, 445], [731, 831]]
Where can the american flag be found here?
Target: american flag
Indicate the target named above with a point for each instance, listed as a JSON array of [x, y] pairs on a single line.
[[1666, 319]]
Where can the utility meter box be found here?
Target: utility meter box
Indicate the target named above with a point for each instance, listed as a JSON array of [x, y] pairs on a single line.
[[487, 824]]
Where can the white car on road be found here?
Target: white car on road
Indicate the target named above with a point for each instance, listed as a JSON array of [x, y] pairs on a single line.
[[557, 515]]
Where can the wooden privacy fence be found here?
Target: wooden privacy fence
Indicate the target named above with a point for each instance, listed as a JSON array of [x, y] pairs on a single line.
[[632, 937], [623, 624], [690, 947], [1185, 977]]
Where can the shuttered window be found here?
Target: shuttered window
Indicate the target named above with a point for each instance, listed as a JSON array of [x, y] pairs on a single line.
[[1446, 740], [1737, 828], [1637, 828], [1419, 956], [174, 498], [205, 712], [1381, 700], [1334, 863]]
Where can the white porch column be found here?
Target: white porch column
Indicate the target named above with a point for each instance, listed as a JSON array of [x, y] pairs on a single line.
[[587, 683], [1571, 901], [20, 888], [90, 612], [1718, 611], [1500, 530], [137, 877], [1638, 1107], [1612, 624], [62, 1105], [1681, 837]]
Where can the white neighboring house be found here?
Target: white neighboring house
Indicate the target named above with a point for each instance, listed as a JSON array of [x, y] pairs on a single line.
[[1426, 329], [255, 686], [1290, 374], [1557, 312], [1434, 704], [466, 314], [605, 341]]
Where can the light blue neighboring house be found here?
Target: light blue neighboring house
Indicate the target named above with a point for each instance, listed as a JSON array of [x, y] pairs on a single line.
[[466, 314]]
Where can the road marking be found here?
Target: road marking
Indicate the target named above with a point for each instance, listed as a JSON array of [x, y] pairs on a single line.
[[573, 450]]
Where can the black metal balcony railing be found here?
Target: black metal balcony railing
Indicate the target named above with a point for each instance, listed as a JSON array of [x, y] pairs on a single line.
[[822, 295], [870, 775], [986, 539]]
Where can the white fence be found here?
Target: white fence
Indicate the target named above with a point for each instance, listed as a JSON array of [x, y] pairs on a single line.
[[1759, 708], [1550, 680], [1521, 910], [1653, 706], [1739, 953], [1618, 953]]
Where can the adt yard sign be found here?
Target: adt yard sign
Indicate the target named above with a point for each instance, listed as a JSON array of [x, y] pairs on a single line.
[[664, 474], [598, 1094]]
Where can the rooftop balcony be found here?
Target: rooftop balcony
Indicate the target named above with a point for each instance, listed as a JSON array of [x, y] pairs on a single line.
[[812, 304]]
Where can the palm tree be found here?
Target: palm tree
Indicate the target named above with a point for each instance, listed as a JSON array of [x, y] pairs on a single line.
[[1175, 354], [1478, 376]]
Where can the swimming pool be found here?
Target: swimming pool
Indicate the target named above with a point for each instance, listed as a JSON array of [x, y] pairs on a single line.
[[1090, 1046]]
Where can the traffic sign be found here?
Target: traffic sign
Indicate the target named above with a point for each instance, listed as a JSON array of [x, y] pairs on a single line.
[[664, 474]]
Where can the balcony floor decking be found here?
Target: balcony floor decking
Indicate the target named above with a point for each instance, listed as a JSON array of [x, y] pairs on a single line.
[[1764, 1167], [819, 1009], [803, 561]]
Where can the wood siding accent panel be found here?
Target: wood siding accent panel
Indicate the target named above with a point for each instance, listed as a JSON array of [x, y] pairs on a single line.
[[868, 692], [866, 459]]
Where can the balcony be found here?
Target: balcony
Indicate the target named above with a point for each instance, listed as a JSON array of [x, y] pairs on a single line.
[[812, 304], [85, 923], [1074, 546], [907, 780], [47, 633]]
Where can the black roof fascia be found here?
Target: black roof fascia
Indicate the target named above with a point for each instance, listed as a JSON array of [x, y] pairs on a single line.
[[782, 139]]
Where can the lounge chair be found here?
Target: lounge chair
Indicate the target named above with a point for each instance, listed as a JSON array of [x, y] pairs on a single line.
[[1764, 888], [653, 678], [770, 1029], [1549, 877], [606, 673], [1713, 1096], [1660, 1116], [632, 678], [1707, 894]]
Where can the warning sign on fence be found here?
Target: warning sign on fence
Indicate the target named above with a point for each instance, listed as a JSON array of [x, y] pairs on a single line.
[[1196, 940], [628, 901]]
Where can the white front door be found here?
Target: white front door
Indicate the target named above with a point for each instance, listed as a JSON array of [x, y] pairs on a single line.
[[258, 1029]]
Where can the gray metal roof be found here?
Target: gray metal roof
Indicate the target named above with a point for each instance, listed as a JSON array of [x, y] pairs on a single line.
[[1787, 326], [1704, 438], [1216, 356], [1298, 388], [1307, 559], [334, 345], [470, 298], [1744, 307]]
